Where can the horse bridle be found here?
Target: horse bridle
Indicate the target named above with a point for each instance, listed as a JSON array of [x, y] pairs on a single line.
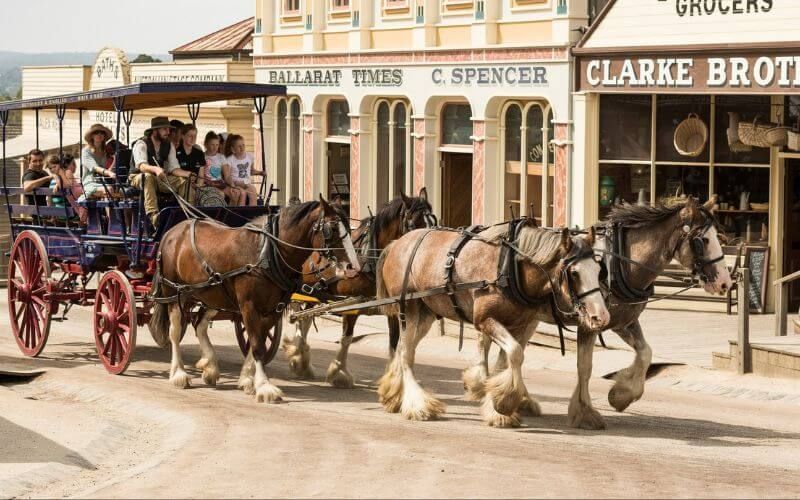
[[566, 276], [408, 219], [697, 246], [326, 227]]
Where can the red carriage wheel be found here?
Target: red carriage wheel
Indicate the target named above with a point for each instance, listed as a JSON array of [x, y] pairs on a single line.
[[273, 338], [115, 322], [28, 275]]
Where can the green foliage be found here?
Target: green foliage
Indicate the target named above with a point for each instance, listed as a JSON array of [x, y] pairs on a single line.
[[144, 58]]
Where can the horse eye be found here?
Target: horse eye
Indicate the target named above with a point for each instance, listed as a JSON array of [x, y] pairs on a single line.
[[705, 240]]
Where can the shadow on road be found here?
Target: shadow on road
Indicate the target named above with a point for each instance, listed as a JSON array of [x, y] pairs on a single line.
[[25, 446]]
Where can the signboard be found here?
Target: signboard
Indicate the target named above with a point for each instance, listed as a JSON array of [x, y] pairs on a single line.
[[110, 69], [757, 260], [777, 73]]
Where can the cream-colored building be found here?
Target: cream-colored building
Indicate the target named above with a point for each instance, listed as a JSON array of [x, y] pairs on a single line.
[[644, 68], [469, 98]]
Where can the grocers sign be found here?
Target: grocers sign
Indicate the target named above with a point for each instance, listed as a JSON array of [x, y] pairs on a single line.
[[720, 74]]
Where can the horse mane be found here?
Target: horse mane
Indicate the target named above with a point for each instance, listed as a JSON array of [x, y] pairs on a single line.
[[392, 209], [296, 212], [541, 245], [639, 216]]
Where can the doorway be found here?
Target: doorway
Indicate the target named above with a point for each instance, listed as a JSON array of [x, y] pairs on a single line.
[[456, 189], [791, 228], [339, 173]]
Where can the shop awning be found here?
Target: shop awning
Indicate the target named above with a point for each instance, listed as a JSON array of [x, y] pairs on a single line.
[[149, 95]]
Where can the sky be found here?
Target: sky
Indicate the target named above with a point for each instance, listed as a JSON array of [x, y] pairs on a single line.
[[149, 26]]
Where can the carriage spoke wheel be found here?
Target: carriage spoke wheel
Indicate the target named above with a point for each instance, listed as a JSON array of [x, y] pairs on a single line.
[[29, 312], [273, 338], [115, 322]]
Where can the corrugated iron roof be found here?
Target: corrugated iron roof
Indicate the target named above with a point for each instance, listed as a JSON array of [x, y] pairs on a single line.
[[234, 38]]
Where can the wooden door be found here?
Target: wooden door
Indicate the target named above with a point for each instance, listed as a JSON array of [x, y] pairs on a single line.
[[791, 229], [457, 189]]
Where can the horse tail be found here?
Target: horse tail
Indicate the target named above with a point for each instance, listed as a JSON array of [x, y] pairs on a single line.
[[159, 320]]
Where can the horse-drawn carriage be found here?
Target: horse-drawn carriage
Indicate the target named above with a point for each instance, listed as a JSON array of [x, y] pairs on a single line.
[[54, 257]]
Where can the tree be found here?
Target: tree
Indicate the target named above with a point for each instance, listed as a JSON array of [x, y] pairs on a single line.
[[144, 58]]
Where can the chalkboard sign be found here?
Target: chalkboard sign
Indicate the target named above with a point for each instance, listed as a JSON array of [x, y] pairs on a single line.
[[757, 260]]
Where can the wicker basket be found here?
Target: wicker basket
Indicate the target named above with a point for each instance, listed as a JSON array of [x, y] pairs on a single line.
[[764, 134], [734, 143], [691, 136]]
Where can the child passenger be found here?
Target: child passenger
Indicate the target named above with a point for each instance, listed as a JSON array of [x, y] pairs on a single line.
[[240, 169], [215, 166]]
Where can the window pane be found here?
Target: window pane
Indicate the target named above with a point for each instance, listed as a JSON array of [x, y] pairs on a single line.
[[623, 183], [400, 155], [513, 133], [533, 135], [674, 181], [338, 119], [457, 124], [280, 154], [382, 165], [729, 183], [671, 110], [294, 154], [625, 127], [747, 108]]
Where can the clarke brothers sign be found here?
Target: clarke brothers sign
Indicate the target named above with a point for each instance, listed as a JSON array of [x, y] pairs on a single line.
[[691, 73], [458, 76]]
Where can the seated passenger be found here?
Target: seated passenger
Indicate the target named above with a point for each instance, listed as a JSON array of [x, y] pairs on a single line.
[[176, 132], [215, 164], [65, 186], [94, 159], [35, 177], [240, 169], [192, 159], [154, 157]]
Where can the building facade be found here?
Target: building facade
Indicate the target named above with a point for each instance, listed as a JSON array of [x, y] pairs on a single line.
[[468, 98], [646, 68]]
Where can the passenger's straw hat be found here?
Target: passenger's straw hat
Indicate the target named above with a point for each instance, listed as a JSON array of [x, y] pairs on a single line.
[[98, 127]]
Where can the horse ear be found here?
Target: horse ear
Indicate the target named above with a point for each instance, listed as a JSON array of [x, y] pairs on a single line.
[[709, 205], [423, 194], [566, 239], [590, 239], [406, 199], [689, 210], [337, 201], [326, 207]]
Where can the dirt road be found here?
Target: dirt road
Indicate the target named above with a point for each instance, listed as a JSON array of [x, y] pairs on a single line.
[[76, 431]]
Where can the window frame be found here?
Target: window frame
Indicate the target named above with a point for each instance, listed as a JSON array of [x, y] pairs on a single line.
[[407, 188], [290, 184]]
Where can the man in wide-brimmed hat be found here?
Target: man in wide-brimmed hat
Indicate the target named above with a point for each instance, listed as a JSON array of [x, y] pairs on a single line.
[[156, 165]]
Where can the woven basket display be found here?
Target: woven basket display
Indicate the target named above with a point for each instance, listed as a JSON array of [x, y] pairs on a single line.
[[763, 134], [734, 143], [691, 136]]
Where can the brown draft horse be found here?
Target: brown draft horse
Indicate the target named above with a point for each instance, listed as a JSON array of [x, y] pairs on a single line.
[[653, 237], [263, 271], [399, 216], [547, 263]]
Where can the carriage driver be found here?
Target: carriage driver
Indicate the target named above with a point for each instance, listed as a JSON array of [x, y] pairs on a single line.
[[155, 164]]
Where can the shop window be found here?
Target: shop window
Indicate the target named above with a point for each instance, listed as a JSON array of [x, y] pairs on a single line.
[[526, 165], [280, 153], [623, 183], [338, 119], [287, 149], [671, 110], [294, 151], [674, 181], [744, 219], [625, 127], [401, 153], [382, 163], [747, 108], [457, 124]]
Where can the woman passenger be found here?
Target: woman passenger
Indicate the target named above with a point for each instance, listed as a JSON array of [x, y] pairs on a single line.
[[65, 185], [216, 162], [93, 159]]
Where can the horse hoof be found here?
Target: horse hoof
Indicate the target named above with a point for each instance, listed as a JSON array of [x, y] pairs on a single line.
[[269, 394], [247, 385], [530, 408], [620, 397], [474, 383], [586, 418], [339, 377], [180, 379], [211, 375], [427, 409]]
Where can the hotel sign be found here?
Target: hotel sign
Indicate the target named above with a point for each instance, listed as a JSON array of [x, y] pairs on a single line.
[[719, 74]]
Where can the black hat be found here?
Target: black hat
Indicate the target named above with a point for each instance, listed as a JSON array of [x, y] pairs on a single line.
[[176, 124], [159, 122]]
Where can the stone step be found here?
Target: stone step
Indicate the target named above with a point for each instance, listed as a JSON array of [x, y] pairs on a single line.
[[777, 357]]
